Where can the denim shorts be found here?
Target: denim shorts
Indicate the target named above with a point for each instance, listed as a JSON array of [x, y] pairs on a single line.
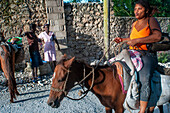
[[36, 59]]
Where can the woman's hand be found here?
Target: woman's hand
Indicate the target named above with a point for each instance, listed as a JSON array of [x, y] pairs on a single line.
[[118, 40]]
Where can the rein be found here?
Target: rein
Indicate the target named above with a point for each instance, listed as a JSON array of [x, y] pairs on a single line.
[[80, 82]]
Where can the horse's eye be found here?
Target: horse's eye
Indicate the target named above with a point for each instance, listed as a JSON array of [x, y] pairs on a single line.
[[60, 80]]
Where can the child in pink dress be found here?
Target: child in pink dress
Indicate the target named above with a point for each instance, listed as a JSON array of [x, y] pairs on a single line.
[[48, 38]]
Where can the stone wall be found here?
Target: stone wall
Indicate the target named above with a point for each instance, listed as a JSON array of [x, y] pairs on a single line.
[[19, 14], [84, 25]]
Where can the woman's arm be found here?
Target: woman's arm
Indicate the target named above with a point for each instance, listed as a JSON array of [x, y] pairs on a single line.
[[57, 44], [119, 39], [56, 41]]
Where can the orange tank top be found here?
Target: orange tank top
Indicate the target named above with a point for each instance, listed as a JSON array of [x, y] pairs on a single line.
[[139, 34]]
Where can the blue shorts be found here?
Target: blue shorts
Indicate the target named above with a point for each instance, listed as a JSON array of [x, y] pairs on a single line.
[[36, 59]]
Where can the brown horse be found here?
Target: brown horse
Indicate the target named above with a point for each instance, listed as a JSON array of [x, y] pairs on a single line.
[[102, 81], [7, 60], [106, 86]]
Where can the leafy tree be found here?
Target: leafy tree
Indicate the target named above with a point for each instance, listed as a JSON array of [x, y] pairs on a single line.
[[163, 7], [123, 7]]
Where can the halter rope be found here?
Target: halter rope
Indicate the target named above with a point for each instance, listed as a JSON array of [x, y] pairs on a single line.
[[64, 87], [65, 92]]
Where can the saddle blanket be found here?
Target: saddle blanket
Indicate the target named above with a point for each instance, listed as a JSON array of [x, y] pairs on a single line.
[[135, 57]]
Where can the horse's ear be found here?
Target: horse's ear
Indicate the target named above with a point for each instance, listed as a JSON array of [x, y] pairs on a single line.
[[64, 56], [68, 63]]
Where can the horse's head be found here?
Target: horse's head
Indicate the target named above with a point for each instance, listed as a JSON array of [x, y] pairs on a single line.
[[61, 82]]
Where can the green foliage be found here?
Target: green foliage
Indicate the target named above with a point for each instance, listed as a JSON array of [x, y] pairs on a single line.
[[123, 7], [163, 56], [168, 29], [126, 7], [163, 7]]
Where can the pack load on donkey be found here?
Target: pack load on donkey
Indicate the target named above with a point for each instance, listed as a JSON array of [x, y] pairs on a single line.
[[10, 54], [17, 45]]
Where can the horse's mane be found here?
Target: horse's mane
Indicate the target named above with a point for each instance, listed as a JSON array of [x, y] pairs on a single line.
[[101, 66], [65, 58]]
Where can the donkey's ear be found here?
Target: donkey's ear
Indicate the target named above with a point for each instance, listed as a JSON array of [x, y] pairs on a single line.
[[68, 63]]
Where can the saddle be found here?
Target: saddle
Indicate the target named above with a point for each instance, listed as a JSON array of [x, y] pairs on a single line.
[[124, 74]]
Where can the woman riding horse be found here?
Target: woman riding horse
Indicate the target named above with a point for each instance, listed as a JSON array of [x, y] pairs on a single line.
[[145, 30]]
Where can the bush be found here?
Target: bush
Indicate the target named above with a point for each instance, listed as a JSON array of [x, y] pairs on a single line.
[[163, 56]]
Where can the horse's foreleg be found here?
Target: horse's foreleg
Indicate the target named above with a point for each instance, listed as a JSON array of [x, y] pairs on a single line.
[[119, 110], [108, 110]]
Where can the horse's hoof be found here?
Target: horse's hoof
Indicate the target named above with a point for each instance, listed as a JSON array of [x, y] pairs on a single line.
[[12, 101], [17, 93]]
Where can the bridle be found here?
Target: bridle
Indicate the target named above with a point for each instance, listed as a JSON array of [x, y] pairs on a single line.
[[79, 83]]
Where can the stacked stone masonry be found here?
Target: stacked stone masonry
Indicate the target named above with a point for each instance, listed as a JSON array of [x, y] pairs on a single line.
[[84, 25]]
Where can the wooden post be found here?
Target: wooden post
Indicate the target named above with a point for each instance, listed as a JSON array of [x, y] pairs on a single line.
[[106, 27]]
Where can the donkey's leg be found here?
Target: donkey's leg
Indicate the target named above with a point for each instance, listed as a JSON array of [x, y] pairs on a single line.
[[13, 71], [5, 65], [108, 110], [126, 55]]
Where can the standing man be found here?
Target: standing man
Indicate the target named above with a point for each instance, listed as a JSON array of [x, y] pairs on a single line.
[[34, 50]]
